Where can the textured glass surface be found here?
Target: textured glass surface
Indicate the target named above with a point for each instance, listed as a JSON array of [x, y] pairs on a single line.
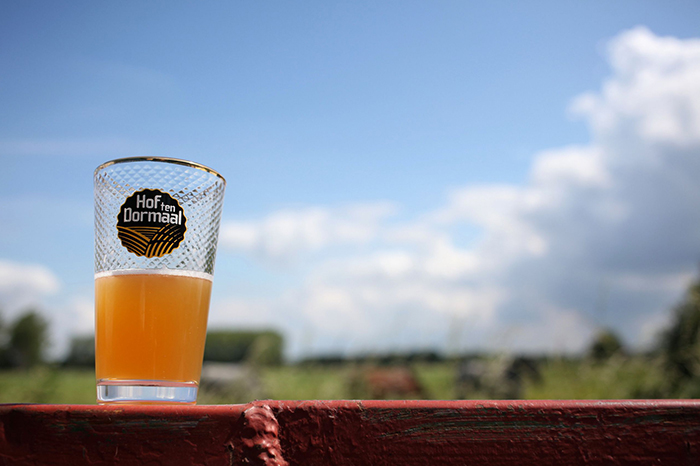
[[199, 192]]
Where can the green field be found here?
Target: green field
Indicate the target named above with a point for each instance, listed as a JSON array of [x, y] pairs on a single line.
[[47, 385], [618, 378]]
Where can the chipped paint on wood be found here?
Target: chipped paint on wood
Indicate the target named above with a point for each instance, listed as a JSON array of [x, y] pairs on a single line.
[[257, 440], [306, 433]]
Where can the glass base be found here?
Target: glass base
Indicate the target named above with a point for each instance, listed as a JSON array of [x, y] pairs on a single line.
[[146, 392]]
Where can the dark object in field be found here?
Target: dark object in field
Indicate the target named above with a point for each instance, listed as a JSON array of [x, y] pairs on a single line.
[[232, 382], [501, 378], [381, 383]]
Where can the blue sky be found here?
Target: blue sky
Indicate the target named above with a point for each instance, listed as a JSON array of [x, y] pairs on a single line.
[[400, 174]]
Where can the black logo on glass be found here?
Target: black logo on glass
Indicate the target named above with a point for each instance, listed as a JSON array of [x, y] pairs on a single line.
[[151, 223]]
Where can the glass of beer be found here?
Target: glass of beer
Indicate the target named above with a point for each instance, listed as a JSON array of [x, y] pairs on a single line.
[[156, 230]]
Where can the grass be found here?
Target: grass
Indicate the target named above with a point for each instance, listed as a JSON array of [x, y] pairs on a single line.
[[47, 385], [438, 379], [308, 382], [618, 378]]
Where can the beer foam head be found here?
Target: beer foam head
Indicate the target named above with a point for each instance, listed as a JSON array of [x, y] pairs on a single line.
[[169, 272]]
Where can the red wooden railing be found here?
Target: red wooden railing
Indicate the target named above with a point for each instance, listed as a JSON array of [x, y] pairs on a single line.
[[494, 433]]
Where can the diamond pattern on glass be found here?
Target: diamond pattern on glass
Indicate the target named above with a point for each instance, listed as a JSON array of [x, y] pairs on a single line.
[[199, 192]]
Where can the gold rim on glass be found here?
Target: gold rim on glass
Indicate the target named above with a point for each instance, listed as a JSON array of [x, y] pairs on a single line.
[[186, 163]]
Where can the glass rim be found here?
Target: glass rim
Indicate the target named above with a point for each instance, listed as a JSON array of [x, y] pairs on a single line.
[[172, 160]]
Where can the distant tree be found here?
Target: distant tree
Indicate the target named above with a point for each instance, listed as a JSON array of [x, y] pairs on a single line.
[[257, 347], [605, 345], [680, 346], [3, 343], [266, 350], [81, 352], [28, 340]]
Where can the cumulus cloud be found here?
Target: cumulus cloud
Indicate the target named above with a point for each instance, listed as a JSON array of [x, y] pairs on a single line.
[[622, 213], [79, 315], [606, 233], [653, 94], [24, 285], [283, 235]]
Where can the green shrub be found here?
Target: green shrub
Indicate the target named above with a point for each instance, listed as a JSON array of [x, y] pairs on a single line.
[[81, 352], [256, 347], [680, 347], [606, 345], [28, 340]]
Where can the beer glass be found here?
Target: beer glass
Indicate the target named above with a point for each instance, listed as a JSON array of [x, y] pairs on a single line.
[[156, 229]]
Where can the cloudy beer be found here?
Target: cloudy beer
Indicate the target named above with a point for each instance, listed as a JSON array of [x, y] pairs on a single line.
[[151, 326]]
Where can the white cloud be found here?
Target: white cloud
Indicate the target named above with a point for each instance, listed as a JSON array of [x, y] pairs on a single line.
[[620, 214], [501, 211], [566, 330], [234, 311], [653, 95], [24, 285], [79, 317], [570, 166], [72, 316], [283, 235]]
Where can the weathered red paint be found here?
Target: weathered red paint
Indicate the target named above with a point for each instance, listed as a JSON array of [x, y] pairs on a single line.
[[495, 433], [258, 441]]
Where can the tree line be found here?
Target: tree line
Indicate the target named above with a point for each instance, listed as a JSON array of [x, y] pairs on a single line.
[[257, 347], [23, 344]]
